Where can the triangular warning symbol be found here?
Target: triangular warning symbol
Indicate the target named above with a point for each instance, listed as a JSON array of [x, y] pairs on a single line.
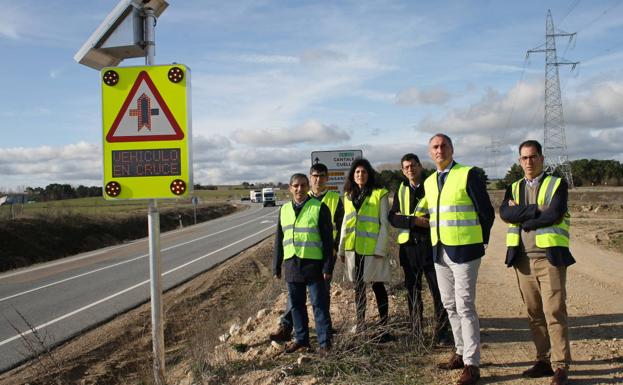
[[144, 116]]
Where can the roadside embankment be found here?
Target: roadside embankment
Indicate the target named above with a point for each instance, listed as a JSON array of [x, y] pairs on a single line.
[[35, 239]]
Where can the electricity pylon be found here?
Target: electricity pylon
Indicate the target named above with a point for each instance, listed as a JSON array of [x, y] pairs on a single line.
[[554, 141], [494, 151]]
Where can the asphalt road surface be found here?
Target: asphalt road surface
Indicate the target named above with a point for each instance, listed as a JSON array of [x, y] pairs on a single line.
[[45, 305]]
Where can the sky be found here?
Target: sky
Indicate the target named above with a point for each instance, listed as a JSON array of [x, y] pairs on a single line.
[[273, 81]]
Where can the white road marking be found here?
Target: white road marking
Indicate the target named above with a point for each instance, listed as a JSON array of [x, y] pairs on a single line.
[[98, 252], [55, 320], [127, 261]]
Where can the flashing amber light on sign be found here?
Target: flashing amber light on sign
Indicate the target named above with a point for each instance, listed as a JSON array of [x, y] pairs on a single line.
[[178, 187], [111, 78], [176, 74], [113, 189]]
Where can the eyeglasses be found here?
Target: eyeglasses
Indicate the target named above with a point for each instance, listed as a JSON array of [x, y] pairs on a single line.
[[531, 157]]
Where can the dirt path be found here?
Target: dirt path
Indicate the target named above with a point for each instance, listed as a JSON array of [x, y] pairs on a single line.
[[595, 306]]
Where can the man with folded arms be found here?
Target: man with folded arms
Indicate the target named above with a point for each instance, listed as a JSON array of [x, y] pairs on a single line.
[[535, 207]]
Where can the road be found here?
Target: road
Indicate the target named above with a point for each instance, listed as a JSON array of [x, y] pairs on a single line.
[[45, 305]]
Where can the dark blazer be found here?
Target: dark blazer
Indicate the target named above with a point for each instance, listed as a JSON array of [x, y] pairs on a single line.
[[531, 218]]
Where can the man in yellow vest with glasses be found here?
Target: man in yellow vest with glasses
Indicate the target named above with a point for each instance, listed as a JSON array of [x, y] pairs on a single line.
[[416, 253], [461, 217], [319, 176], [535, 207], [304, 245]]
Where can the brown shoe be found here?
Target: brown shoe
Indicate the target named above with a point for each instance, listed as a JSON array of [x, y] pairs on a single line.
[[470, 375], [282, 334], [560, 377], [540, 369], [294, 347], [455, 362]]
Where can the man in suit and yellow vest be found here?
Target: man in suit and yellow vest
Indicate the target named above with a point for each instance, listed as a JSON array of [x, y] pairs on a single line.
[[461, 217], [319, 176], [304, 244], [535, 207]]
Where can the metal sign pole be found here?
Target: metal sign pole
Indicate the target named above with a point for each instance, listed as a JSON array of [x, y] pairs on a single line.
[[153, 220]]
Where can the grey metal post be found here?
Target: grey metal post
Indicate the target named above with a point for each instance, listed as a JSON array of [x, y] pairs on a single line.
[[153, 219]]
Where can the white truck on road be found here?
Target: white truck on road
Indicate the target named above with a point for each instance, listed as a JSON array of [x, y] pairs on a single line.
[[256, 196], [268, 196]]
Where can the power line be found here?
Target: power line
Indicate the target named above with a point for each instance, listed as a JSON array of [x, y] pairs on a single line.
[[571, 8]]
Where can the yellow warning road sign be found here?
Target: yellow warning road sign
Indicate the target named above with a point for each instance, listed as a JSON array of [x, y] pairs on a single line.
[[146, 132]]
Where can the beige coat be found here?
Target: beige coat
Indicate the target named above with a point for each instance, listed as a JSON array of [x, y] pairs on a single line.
[[375, 268]]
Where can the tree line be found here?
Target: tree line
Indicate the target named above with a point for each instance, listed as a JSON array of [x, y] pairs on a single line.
[[585, 172], [57, 191]]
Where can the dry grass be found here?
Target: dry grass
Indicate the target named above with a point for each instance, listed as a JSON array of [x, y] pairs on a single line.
[[355, 358]]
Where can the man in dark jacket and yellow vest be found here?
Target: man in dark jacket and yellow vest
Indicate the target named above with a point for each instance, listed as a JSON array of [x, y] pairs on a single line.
[[319, 175], [461, 217], [538, 248], [416, 253], [304, 240]]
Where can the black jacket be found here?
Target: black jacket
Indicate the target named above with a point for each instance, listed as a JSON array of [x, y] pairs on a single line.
[[417, 251], [531, 218], [477, 191], [306, 270]]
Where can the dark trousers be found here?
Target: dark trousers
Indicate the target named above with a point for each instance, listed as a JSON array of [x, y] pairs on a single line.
[[297, 296], [380, 293], [413, 284], [286, 318]]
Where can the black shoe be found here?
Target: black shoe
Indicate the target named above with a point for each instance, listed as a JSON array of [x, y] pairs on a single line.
[[444, 339], [386, 337]]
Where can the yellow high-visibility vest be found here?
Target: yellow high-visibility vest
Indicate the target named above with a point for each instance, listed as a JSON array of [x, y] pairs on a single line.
[[301, 236], [404, 200], [555, 235], [331, 199], [453, 218], [362, 228]]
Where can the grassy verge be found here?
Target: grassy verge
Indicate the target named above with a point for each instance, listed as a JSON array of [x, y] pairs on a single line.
[[33, 239]]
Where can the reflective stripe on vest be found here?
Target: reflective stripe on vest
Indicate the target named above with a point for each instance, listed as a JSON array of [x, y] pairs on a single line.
[[361, 229], [453, 218], [555, 235], [301, 236], [331, 199], [404, 199]]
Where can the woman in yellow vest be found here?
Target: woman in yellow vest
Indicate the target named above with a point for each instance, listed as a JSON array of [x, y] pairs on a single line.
[[363, 240]]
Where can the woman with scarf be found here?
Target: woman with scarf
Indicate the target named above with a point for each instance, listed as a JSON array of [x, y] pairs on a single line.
[[363, 241]]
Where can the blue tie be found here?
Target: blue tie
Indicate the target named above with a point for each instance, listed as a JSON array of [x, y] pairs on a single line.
[[441, 179]]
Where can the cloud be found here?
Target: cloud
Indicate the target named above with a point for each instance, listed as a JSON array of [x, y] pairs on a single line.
[[265, 59], [311, 132], [13, 21], [78, 163], [601, 106], [414, 96], [593, 117], [323, 55]]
